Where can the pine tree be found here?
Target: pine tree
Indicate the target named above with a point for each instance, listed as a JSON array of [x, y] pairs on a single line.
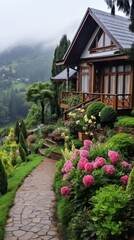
[[3, 180], [23, 143]]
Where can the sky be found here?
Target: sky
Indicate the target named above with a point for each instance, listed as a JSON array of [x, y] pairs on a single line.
[[31, 21]]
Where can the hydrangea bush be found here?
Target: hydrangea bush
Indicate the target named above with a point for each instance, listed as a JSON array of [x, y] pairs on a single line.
[[81, 177]]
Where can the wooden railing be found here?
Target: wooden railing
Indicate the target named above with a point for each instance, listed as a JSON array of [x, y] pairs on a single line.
[[118, 101]]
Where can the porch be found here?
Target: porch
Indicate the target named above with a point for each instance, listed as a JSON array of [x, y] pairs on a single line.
[[117, 101]]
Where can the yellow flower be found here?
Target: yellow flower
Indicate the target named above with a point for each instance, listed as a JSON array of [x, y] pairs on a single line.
[[91, 134], [86, 118], [93, 117], [77, 122], [99, 114], [90, 121], [82, 110], [86, 133]]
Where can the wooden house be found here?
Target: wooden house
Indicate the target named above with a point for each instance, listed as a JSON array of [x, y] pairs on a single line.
[[103, 71]]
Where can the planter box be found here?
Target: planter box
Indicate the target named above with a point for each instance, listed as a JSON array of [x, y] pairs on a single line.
[[82, 136]]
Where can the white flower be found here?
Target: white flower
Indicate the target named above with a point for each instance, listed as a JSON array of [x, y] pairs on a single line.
[[90, 121]]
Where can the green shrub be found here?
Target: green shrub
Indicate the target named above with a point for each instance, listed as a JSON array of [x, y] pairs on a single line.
[[65, 211], [125, 122], [4, 132], [23, 143], [23, 129], [132, 113], [109, 212], [22, 153], [77, 143], [17, 131], [123, 142], [95, 109], [3, 179], [108, 115]]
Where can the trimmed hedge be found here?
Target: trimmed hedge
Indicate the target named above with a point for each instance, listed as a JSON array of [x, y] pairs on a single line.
[[125, 122], [108, 115], [94, 109]]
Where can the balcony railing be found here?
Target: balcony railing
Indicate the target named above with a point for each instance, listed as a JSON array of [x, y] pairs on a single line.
[[118, 101]]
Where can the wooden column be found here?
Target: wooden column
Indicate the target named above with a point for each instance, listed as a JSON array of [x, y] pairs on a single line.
[[67, 79]]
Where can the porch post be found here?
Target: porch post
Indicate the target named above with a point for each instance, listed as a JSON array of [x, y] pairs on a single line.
[[67, 79]]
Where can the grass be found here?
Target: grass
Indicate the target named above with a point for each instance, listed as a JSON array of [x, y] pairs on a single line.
[[6, 201]]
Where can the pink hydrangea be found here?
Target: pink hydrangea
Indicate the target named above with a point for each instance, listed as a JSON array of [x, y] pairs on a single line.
[[124, 179], [100, 161], [88, 180], [63, 170], [81, 163], [114, 156], [65, 191], [87, 144], [126, 165], [89, 167], [68, 166], [84, 153], [109, 169], [75, 154], [65, 175]]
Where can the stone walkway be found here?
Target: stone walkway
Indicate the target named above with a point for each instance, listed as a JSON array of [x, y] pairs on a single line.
[[33, 213]]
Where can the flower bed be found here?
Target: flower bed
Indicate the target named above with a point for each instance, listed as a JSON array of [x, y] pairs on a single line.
[[78, 180]]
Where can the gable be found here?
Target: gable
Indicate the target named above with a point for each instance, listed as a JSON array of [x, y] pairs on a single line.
[[116, 28]]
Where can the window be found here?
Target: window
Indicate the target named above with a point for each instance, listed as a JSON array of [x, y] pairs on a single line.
[[84, 79]]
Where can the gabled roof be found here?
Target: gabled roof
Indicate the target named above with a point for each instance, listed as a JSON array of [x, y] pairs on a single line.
[[62, 76], [116, 27]]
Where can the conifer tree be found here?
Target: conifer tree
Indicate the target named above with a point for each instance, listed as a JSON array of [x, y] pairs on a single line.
[[3, 179], [23, 129], [17, 131], [22, 153], [23, 143]]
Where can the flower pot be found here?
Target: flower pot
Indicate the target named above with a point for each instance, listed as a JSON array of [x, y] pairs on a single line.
[[82, 136]]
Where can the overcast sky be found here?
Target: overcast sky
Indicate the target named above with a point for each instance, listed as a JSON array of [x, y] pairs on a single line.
[[42, 20]]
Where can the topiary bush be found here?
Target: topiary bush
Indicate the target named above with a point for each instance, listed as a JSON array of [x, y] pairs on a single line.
[[132, 113], [94, 109], [108, 115], [22, 154], [3, 179], [123, 142], [23, 143]]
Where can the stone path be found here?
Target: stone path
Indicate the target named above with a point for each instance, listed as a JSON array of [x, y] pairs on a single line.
[[32, 216]]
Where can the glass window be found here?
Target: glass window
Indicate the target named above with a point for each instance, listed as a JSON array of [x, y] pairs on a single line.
[[100, 41], [112, 84], [106, 70], [107, 40], [84, 70], [120, 69], [113, 69], [127, 84], [120, 85], [85, 83], [105, 87], [127, 68]]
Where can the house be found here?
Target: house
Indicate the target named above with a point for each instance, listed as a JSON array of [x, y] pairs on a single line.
[[104, 72]]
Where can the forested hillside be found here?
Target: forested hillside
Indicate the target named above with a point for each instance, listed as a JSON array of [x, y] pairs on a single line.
[[20, 67]]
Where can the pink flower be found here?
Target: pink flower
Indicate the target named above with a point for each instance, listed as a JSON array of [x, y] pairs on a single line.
[[100, 161], [87, 143], [126, 164], [88, 180], [75, 154], [65, 175], [89, 167], [68, 166], [63, 170], [81, 163], [109, 169], [114, 156], [65, 191], [124, 180], [84, 153]]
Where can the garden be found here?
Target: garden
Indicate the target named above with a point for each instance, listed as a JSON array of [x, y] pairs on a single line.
[[95, 175]]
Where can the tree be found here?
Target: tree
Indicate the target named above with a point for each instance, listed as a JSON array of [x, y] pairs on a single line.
[[3, 179], [40, 93], [17, 131], [23, 144], [127, 6], [23, 129], [59, 54]]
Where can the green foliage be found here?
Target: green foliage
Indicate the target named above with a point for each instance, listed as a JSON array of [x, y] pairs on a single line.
[[132, 113], [34, 116], [73, 100], [77, 143], [123, 142], [35, 146], [65, 211], [130, 185], [109, 212], [125, 122], [17, 131], [23, 144], [108, 115], [23, 129], [59, 54], [95, 109], [22, 154], [4, 131], [3, 179]]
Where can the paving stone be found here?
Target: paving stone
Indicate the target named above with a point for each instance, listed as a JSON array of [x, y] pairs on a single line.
[[31, 217]]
